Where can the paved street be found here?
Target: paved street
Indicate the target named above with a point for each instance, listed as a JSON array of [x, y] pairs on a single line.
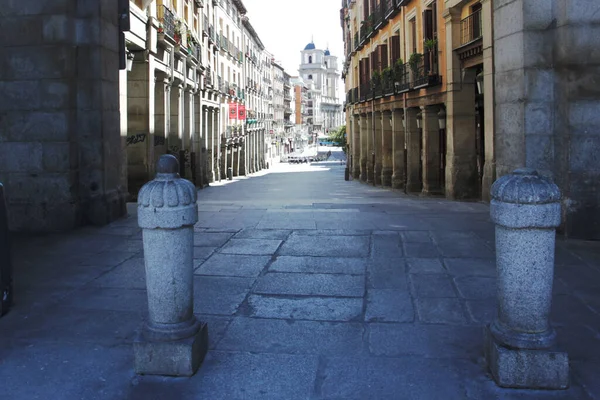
[[312, 287]]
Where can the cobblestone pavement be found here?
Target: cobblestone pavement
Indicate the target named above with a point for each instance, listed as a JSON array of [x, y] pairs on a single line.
[[313, 288]]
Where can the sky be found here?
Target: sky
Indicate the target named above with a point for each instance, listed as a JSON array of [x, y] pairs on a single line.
[[285, 27]]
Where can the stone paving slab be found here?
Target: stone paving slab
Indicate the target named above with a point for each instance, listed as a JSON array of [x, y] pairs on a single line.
[[390, 378], [326, 246], [233, 265], [220, 295], [319, 265], [342, 291], [389, 305], [311, 285], [293, 337], [306, 308]]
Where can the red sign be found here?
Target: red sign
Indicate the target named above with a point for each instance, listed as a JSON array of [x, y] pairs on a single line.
[[233, 110], [241, 112]]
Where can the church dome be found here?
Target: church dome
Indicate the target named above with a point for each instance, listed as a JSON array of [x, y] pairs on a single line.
[[327, 53], [310, 46]]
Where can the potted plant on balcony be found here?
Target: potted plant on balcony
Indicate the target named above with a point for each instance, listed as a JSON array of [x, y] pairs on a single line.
[[178, 32], [375, 82], [414, 60], [430, 45], [388, 78], [399, 70]]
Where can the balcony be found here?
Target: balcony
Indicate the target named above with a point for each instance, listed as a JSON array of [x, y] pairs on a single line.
[[208, 77], [194, 49], [205, 26], [471, 37], [355, 97], [402, 78], [166, 20], [211, 35], [376, 17], [376, 88], [424, 69], [388, 80], [365, 91], [470, 28], [223, 43], [390, 8], [366, 29]]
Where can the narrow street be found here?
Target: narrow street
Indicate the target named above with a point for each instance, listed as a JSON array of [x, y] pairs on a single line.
[[312, 287]]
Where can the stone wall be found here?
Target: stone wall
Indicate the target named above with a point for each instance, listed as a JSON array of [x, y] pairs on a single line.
[[60, 142], [547, 64]]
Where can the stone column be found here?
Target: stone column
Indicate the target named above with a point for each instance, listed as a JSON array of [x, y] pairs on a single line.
[[461, 168], [377, 147], [187, 131], [431, 150], [364, 150], [174, 140], [173, 342], [413, 151], [242, 161], [356, 146], [399, 149], [386, 149], [489, 167], [370, 149], [138, 126], [161, 117], [197, 139], [520, 341], [216, 143], [205, 160], [211, 144]]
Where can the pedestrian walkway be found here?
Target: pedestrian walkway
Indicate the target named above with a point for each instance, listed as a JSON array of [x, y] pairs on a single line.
[[313, 288]]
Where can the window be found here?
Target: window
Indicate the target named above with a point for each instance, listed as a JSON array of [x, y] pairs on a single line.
[[309, 76], [310, 59]]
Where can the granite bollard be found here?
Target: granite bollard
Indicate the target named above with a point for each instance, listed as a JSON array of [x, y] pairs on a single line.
[[172, 342], [520, 343]]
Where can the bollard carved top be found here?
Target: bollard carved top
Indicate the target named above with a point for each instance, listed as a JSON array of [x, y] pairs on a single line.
[[525, 186], [525, 199], [168, 201]]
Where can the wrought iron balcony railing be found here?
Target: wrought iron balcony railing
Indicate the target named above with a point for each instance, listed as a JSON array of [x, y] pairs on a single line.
[[470, 28], [166, 19], [425, 69], [365, 91], [401, 74], [377, 17], [208, 77], [205, 26]]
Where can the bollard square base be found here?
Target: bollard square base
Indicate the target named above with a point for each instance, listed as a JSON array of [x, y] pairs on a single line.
[[526, 369], [172, 358]]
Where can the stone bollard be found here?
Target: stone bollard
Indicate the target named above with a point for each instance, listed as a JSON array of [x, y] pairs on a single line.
[[519, 343], [172, 342]]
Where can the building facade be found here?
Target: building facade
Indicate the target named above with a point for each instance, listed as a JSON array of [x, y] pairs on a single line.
[[319, 69], [434, 99], [180, 78], [414, 76]]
